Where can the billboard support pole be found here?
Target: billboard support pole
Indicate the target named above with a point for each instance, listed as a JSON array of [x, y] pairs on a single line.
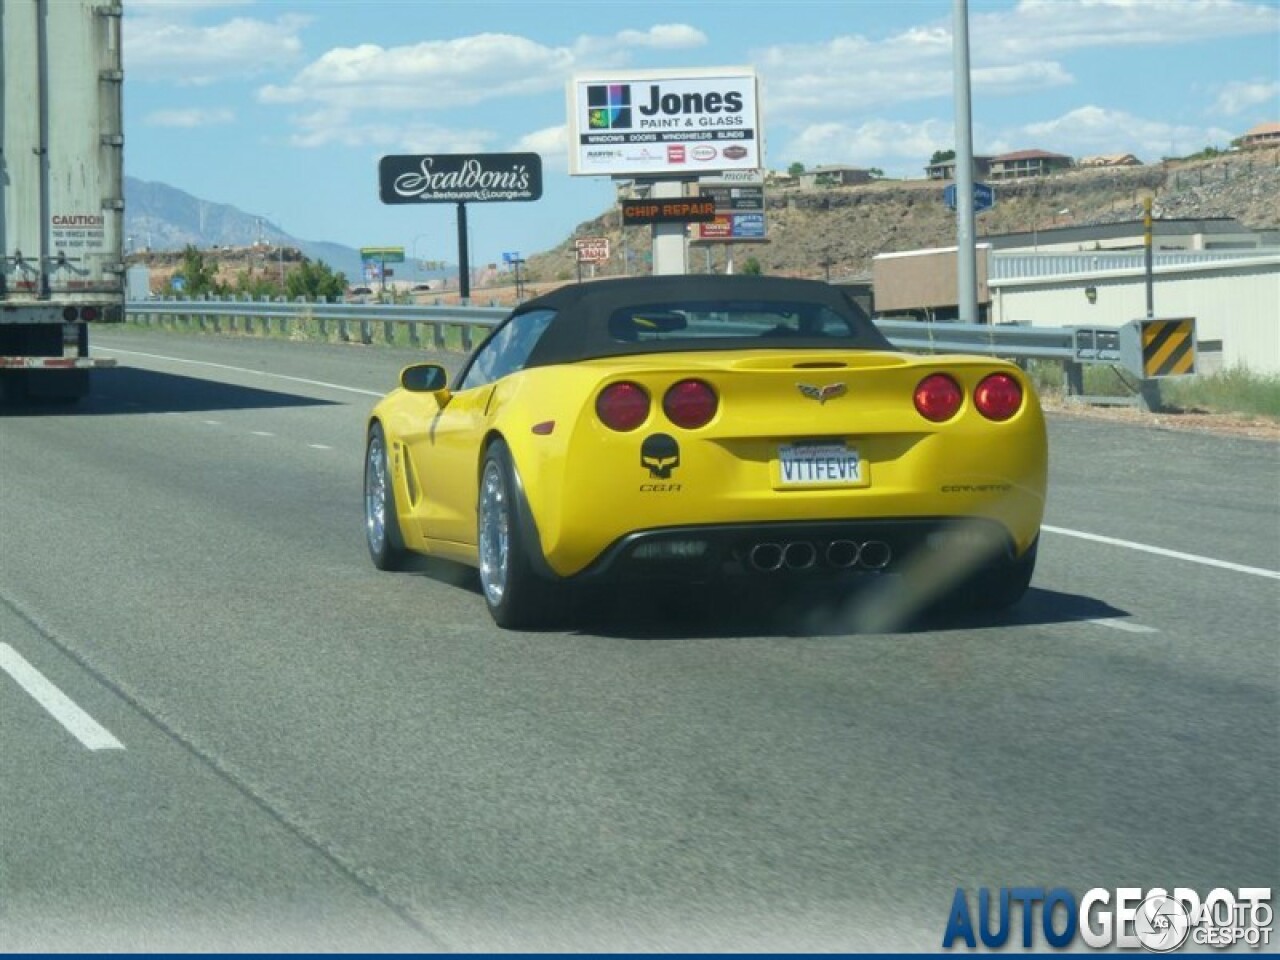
[[464, 264], [669, 250]]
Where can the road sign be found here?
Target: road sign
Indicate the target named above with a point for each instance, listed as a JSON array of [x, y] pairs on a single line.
[[592, 249], [512, 257], [984, 197]]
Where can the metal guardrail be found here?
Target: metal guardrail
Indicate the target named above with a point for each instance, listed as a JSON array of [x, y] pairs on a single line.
[[1017, 342], [1070, 346], [246, 315]]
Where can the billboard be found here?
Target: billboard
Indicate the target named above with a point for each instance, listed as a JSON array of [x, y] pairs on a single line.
[[664, 123], [383, 254], [460, 177], [739, 210]]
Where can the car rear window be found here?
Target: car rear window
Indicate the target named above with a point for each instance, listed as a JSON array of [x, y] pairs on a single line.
[[676, 322]]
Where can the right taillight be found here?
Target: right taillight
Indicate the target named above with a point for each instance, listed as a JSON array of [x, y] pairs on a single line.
[[623, 406], [938, 397], [998, 396]]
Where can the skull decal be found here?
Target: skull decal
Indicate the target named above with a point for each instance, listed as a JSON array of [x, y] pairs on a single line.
[[660, 454]]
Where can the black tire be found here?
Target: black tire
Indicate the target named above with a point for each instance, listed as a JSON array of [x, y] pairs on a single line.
[[1001, 584], [381, 522], [517, 597]]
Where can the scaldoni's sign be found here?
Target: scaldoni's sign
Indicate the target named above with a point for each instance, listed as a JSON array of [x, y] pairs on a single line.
[[460, 177]]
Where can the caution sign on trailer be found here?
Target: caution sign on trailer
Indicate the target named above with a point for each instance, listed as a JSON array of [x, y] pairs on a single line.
[[1156, 348]]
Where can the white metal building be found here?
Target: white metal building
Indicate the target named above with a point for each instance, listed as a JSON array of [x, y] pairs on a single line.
[[1233, 296]]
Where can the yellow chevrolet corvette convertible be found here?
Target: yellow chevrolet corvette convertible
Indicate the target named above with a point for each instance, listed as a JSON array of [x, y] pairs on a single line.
[[696, 428]]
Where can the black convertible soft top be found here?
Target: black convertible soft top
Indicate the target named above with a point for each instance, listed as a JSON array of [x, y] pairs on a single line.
[[581, 328]]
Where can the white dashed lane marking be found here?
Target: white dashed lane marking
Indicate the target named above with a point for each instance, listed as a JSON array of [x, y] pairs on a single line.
[[58, 705], [1128, 626]]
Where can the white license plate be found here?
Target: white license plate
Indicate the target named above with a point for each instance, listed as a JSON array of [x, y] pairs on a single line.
[[820, 465]]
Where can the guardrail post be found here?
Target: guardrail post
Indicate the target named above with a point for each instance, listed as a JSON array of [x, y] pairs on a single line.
[[1074, 375], [388, 331], [415, 338], [1149, 396], [366, 332], [466, 337], [437, 335]]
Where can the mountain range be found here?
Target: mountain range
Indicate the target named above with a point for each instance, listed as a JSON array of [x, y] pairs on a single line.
[[160, 217]]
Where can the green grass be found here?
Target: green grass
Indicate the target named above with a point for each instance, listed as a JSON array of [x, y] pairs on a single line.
[[1234, 391], [1227, 391]]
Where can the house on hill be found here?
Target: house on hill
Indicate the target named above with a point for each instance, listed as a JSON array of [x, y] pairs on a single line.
[[1028, 163], [1110, 160], [835, 176], [1262, 135], [946, 169]]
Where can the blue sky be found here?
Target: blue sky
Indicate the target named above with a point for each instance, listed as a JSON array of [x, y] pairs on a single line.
[[283, 108]]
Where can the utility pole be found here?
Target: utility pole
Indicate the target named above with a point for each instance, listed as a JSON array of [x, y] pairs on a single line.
[[966, 254]]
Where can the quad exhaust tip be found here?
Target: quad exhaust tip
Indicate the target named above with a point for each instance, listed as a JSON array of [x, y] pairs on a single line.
[[803, 555]]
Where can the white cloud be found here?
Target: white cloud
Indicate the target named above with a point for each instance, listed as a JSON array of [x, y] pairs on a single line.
[[900, 149], [326, 126], [190, 117], [438, 75], [1039, 27], [663, 36], [184, 6], [1091, 129], [1236, 98], [156, 47], [549, 142], [432, 74], [1011, 51]]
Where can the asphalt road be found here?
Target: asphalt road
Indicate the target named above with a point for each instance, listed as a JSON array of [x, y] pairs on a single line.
[[280, 748]]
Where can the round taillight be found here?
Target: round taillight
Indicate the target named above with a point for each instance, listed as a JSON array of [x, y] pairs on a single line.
[[690, 404], [622, 406], [89, 314], [998, 397], [938, 397]]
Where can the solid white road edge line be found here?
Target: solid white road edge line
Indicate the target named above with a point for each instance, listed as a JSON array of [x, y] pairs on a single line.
[[1162, 552], [256, 373], [61, 707]]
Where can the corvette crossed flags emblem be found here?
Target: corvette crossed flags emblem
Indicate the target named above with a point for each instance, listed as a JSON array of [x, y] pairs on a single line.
[[823, 394]]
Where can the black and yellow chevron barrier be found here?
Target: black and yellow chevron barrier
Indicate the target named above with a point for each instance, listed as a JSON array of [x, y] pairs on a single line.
[[1155, 347]]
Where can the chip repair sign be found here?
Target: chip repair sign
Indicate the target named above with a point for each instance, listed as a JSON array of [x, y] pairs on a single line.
[[651, 123]]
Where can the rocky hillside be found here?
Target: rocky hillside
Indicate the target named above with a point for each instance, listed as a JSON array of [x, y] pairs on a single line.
[[836, 231]]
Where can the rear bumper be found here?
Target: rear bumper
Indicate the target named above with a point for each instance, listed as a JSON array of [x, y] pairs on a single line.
[[792, 548]]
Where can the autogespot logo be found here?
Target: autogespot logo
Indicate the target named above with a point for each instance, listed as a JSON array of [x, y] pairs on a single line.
[[1127, 918], [609, 106]]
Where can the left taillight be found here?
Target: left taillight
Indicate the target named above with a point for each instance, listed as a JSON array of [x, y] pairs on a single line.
[[938, 397], [998, 397], [623, 406], [690, 404]]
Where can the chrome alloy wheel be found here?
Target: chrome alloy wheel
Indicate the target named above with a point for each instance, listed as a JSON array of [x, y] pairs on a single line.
[[376, 491], [494, 533]]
